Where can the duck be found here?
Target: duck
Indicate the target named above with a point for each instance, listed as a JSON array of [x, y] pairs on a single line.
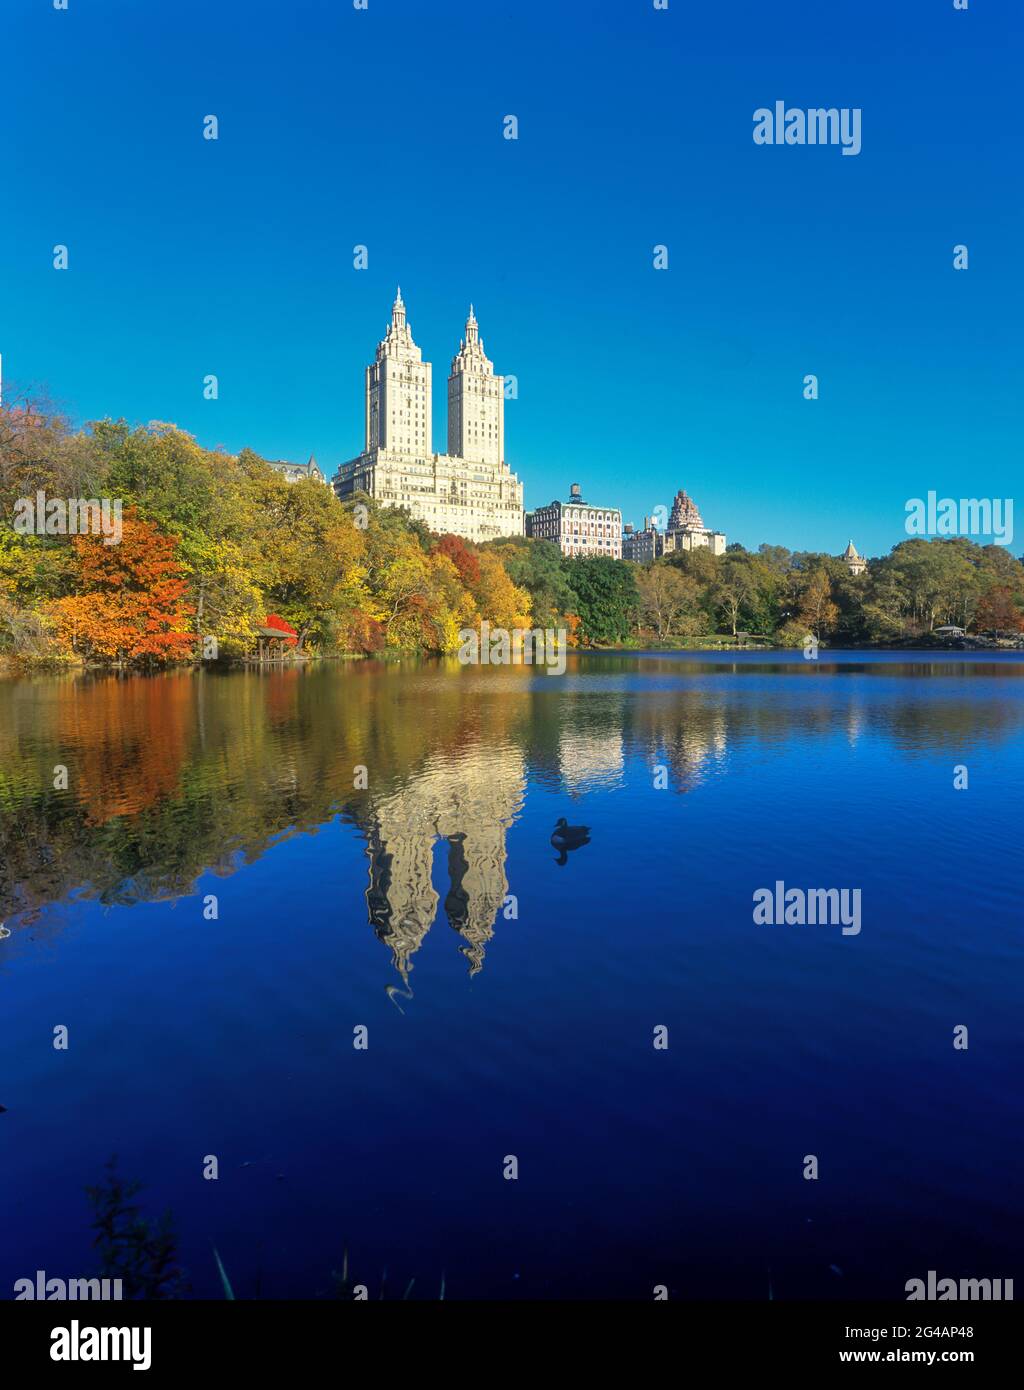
[[567, 837]]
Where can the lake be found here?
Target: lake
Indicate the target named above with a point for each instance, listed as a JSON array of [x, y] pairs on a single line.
[[377, 840]]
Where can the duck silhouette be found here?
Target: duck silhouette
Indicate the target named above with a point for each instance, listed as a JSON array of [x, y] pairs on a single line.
[[566, 837]]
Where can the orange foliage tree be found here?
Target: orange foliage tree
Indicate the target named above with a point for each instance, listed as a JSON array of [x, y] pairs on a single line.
[[998, 611], [572, 627], [129, 605]]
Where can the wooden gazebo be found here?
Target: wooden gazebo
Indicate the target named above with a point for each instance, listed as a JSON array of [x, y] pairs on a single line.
[[275, 640]]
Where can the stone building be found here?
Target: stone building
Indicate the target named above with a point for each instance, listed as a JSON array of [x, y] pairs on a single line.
[[685, 514], [299, 472], [578, 528], [470, 491], [686, 531], [693, 539], [643, 545]]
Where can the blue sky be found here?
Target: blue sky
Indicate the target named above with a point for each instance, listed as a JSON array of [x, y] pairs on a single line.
[[384, 127]]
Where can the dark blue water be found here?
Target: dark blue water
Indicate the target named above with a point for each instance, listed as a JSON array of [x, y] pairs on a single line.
[[510, 1000]]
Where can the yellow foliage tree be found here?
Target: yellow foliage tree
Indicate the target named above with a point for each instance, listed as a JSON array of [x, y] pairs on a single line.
[[500, 601]]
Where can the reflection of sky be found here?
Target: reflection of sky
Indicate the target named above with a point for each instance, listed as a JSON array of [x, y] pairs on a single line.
[[532, 1034]]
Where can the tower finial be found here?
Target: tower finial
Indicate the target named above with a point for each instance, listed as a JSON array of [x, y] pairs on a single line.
[[472, 333], [398, 310]]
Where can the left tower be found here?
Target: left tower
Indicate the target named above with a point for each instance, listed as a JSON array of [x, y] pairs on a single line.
[[398, 392]]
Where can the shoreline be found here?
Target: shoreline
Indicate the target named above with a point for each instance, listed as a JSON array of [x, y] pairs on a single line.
[[13, 669], [960, 644]]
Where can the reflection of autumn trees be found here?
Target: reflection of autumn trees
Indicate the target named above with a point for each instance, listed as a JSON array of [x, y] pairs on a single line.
[[172, 776], [123, 742]]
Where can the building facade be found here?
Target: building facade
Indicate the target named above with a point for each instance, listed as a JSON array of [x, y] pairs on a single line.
[[644, 544], [469, 491], [692, 539], [299, 472], [578, 528], [686, 531], [476, 403]]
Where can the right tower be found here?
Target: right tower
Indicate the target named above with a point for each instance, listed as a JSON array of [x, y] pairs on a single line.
[[476, 402]]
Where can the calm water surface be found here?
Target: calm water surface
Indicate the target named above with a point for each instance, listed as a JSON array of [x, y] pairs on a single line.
[[511, 1000]]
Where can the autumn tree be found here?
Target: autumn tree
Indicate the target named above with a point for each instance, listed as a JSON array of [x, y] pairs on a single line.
[[997, 611], [536, 566], [465, 560], [39, 451], [212, 503], [129, 605], [501, 602], [669, 599], [816, 607]]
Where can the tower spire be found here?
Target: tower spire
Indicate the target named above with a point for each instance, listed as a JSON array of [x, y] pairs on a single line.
[[398, 310], [472, 328]]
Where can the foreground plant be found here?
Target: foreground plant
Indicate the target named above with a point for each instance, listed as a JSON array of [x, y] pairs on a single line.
[[141, 1254]]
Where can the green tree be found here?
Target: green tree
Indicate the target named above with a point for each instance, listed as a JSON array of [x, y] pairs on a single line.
[[606, 597]]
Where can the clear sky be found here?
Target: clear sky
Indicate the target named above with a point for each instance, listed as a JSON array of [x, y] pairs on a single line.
[[384, 127]]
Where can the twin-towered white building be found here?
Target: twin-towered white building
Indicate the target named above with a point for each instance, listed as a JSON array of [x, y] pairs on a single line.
[[469, 491]]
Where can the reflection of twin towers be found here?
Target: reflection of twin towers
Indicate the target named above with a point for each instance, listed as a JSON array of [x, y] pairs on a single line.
[[468, 802]]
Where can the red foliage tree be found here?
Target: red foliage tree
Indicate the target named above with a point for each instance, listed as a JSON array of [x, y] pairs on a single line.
[[466, 561]]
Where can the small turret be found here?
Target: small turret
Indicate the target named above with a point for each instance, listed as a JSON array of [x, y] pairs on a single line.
[[855, 563]]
